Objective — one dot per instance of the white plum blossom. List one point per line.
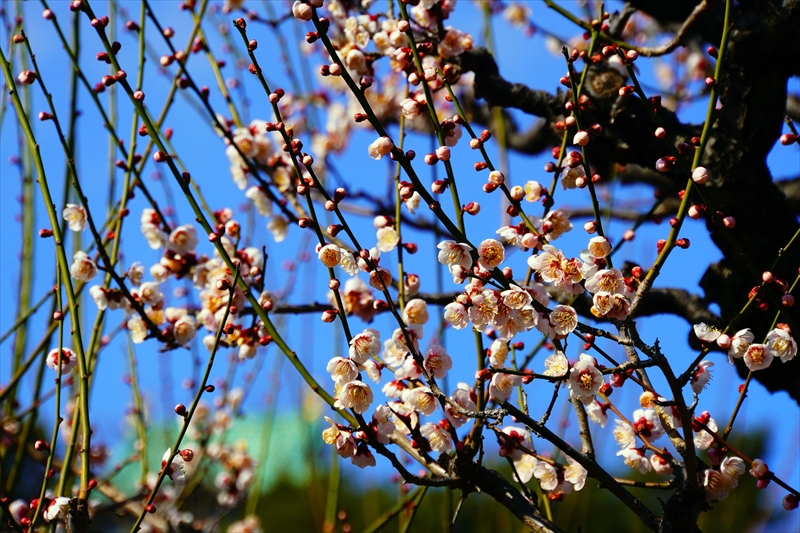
(556, 365)
(716, 485)
(533, 191)
(585, 379)
(636, 459)
(380, 147)
(624, 435)
(453, 253)
(732, 468)
(365, 345)
(701, 376)
(438, 436)
(498, 352)
(563, 319)
(437, 361)
(355, 395)
(342, 370)
(82, 268)
(329, 255)
(546, 474)
(705, 332)
(597, 413)
(739, 344)
(456, 314)
(757, 357)
(183, 239)
(463, 396)
(58, 509)
(599, 247)
(176, 470)
(138, 329)
(703, 439)
(421, 399)
(75, 217)
(278, 226)
(502, 385)
(68, 360)
(781, 344)
(490, 254)
(387, 239)
(516, 297)
(185, 329)
(575, 473)
(416, 312)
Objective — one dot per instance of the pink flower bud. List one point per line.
(530, 240)
(724, 341)
(628, 235)
(787, 300)
(328, 316)
(660, 133)
(790, 502)
(496, 178)
(590, 227)
(443, 153)
(729, 222)
(517, 193)
(403, 26)
(472, 208)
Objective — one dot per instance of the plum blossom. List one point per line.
(502, 385)
(456, 314)
(636, 459)
(329, 255)
(585, 379)
(138, 329)
(533, 191)
(716, 485)
(575, 473)
(498, 351)
(546, 474)
(516, 297)
(732, 468)
(421, 399)
(705, 332)
(463, 396)
(75, 217)
(647, 424)
(453, 253)
(82, 268)
(438, 436)
(363, 457)
(185, 329)
(57, 509)
(176, 469)
(781, 344)
(260, 200)
(758, 357)
(365, 345)
(183, 239)
(278, 226)
(387, 239)
(597, 413)
(556, 365)
(343, 440)
(490, 254)
(701, 376)
(416, 312)
(68, 360)
(355, 395)
(380, 147)
(563, 319)
(599, 247)
(437, 362)
(739, 344)
(342, 370)
(703, 439)
(624, 435)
